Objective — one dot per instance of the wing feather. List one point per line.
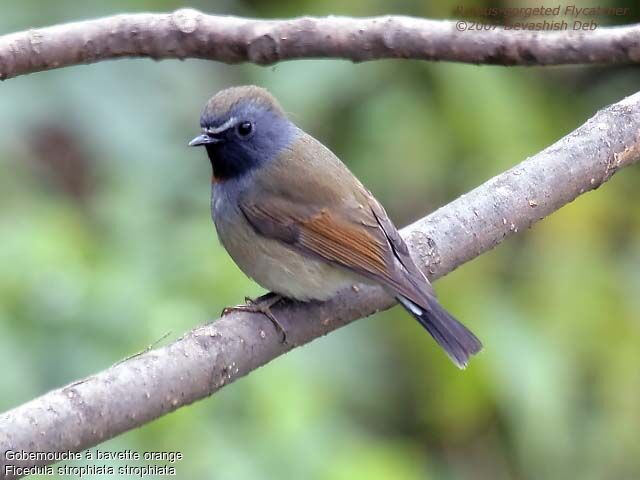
(320, 233)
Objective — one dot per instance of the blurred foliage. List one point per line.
(106, 244)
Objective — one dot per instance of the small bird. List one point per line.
(296, 220)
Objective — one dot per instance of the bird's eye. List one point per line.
(244, 129)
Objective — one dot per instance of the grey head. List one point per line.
(243, 128)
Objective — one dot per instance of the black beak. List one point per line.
(204, 139)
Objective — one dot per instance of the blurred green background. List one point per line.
(106, 244)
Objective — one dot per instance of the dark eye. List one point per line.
(244, 129)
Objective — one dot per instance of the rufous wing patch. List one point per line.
(320, 233)
(345, 243)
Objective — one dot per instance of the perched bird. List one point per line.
(296, 220)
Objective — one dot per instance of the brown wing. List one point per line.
(400, 250)
(353, 238)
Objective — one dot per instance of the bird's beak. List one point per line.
(204, 139)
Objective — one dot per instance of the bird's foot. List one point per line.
(261, 305)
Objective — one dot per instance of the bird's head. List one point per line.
(243, 128)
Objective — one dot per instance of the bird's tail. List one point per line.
(456, 339)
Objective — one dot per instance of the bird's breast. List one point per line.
(271, 263)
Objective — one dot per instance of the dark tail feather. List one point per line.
(456, 339)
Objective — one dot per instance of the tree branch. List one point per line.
(140, 389)
(188, 33)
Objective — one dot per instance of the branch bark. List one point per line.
(206, 359)
(188, 33)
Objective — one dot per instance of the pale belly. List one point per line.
(272, 264)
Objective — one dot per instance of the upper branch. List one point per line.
(152, 384)
(188, 33)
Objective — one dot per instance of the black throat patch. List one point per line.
(229, 162)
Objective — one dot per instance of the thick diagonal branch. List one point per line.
(188, 33)
(204, 360)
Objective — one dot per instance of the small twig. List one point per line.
(148, 348)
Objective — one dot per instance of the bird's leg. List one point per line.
(262, 305)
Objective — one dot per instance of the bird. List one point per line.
(296, 220)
